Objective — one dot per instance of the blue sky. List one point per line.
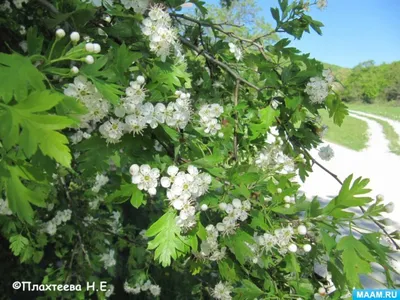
(355, 31)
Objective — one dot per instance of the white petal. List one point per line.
(134, 169)
(165, 182)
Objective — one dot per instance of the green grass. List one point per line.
(390, 134)
(352, 134)
(391, 112)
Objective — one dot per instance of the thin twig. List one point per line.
(235, 103)
(84, 250)
(219, 28)
(362, 208)
(219, 63)
(49, 6)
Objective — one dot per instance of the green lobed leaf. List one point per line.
(34, 41)
(19, 196)
(18, 243)
(167, 241)
(248, 290)
(348, 197)
(17, 76)
(356, 259)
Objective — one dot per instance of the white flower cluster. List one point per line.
(318, 88)
(222, 291)
(154, 289)
(178, 113)
(281, 240)
(115, 222)
(18, 3)
(271, 158)
(182, 191)
(50, 227)
(208, 118)
(108, 259)
(209, 248)
(145, 177)
(326, 153)
(4, 209)
(88, 220)
(321, 4)
(139, 114)
(94, 203)
(6, 6)
(78, 136)
(101, 180)
(237, 211)
(110, 291)
(87, 94)
(112, 130)
(157, 26)
(236, 51)
(139, 6)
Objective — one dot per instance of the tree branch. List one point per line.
(362, 208)
(218, 63)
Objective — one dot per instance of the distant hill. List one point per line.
(368, 82)
(340, 73)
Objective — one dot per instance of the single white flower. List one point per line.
(326, 153)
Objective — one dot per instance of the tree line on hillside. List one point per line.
(369, 83)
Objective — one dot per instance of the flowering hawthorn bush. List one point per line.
(162, 153)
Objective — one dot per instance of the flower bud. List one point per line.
(60, 33)
(287, 205)
(307, 248)
(74, 70)
(204, 207)
(74, 36)
(286, 199)
(322, 291)
(301, 155)
(89, 59)
(302, 230)
(220, 135)
(107, 19)
(292, 248)
(389, 208)
(379, 198)
(96, 48)
(89, 47)
(279, 190)
(140, 79)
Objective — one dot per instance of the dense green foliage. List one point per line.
(370, 83)
(165, 159)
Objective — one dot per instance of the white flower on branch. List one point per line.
(326, 153)
(139, 6)
(108, 259)
(317, 89)
(158, 28)
(222, 291)
(145, 177)
(236, 51)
